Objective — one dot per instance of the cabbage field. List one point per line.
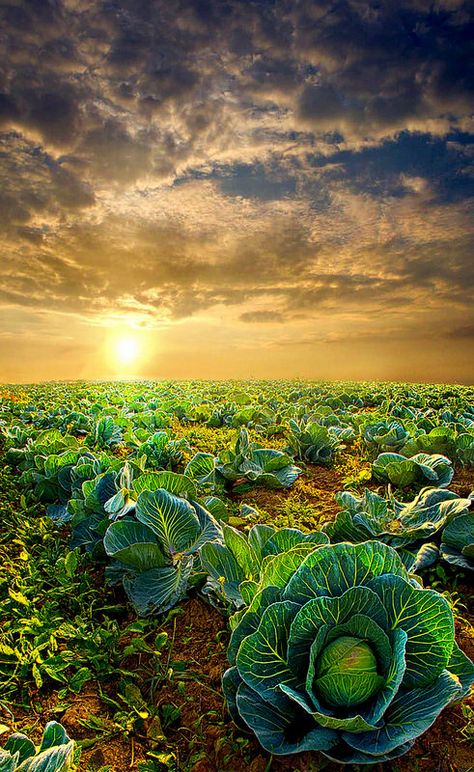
(236, 575)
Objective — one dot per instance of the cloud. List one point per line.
(465, 332)
(381, 69)
(283, 165)
(262, 317)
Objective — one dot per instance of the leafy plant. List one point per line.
(160, 451)
(247, 556)
(247, 463)
(105, 433)
(312, 442)
(343, 654)
(441, 439)
(41, 444)
(262, 466)
(154, 552)
(420, 469)
(399, 524)
(55, 753)
(465, 448)
(386, 435)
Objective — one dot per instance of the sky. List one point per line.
(236, 189)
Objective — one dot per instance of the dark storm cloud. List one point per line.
(283, 161)
(384, 64)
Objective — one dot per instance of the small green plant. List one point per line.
(467, 730)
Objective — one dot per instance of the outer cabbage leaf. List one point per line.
(159, 589)
(397, 523)
(54, 754)
(457, 541)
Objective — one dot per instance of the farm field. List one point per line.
(155, 535)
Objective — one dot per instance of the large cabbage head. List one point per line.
(344, 654)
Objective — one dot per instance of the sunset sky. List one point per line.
(222, 188)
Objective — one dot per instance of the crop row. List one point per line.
(336, 646)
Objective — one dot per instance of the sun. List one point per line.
(127, 350)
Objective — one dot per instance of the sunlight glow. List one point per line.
(127, 350)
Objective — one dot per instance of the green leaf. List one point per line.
(457, 541)
(159, 589)
(172, 519)
(216, 507)
(461, 666)
(80, 678)
(333, 569)
(280, 727)
(249, 620)
(262, 656)
(436, 467)
(36, 673)
(258, 536)
(8, 763)
(410, 714)
(71, 562)
(134, 544)
(220, 562)
(277, 570)
(286, 538)
(230, 684)
(243, 553)
(426, 618)
(202, 468)
(178, 484)
(416, 560)
(54, 734)
(401, 473)
(248, 590)
(20, 744)
(350, 724)
(52, 760)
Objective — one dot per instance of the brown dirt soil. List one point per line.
(307, 504)
(203, 740)
(462, 482)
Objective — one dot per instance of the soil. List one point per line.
(462, 482)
